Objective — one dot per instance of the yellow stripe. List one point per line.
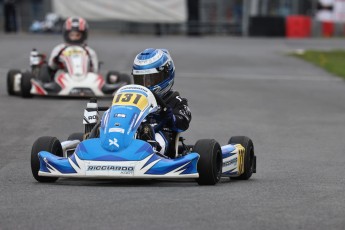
(240, 160)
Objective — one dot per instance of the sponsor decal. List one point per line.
(116, 130)
(121, 115)
(134, 118)
(135, 88)
(92, 117)
(179, 98)
(144, 71)
(233, 161)
(114, 142)
(114, 168)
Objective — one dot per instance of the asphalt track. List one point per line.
(293, 111)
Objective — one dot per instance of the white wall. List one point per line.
(156, 11)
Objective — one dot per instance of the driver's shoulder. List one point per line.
(59, 47)
(89, 49)
(171, 94)
(174, 97)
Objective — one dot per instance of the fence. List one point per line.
(214, 17)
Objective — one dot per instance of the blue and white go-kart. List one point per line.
(112, 150)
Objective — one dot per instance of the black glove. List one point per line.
(165, 116)
(168, 114)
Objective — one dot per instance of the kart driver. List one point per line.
(75, 32)
(154, 69)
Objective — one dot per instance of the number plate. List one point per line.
(133, 99)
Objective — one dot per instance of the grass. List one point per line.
(332, 61)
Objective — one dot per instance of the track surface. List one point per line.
(294, 112)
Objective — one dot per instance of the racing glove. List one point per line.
(165, 117)
(168, 115)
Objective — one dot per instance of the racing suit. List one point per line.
(175, 120)
(54, 59)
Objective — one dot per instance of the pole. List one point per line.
(220, 7)
(245, 17)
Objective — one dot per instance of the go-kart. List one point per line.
(73, 78)
(109, 149)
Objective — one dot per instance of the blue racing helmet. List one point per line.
(154, 69)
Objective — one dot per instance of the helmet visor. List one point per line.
(75, 35)
(149, 80)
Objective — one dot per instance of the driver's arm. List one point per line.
(182, 114)
(53, 59)
(94, 59)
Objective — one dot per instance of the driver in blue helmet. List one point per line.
(154, 69)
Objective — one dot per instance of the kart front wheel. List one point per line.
(25, 85)
(125, 78)
(49, 144)
(114, 77)
(44, 73)
(210, 162)
(10, 81)
(249, 157)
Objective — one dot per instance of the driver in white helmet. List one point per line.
(75, 32)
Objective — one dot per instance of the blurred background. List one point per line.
(269, 18)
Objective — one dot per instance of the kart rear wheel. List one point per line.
(25, 85)
(76, 136)
(10, 81)
(249, 157)
(210, 162)
(49, 144)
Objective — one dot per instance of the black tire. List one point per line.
(121, 77)
(210, 162)
(25, 85)
(44, 74)
(76, 136)
(10, 81)
(125, 78)
(49, 144)
(249, 161)
(109, 79)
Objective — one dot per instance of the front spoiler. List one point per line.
(152, 166)
(53, 89)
